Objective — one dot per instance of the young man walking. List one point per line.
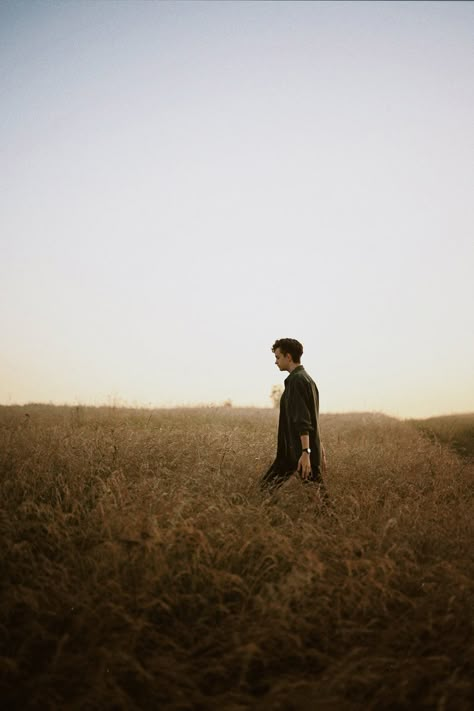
(299, 444)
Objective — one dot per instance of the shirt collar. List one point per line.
(297, 369)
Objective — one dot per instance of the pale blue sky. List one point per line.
(182, 183)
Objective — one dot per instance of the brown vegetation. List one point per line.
(141, 568)
(455, 430)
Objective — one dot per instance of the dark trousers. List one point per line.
(280, 472)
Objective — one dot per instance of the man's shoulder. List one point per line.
(300, 376)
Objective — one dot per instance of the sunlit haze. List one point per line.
(185, 182)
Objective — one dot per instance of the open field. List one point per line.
(455, 430)
(141, 568)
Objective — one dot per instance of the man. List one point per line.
(299, 445)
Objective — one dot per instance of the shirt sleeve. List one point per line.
(298, 409)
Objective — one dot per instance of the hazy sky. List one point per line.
(184, 182)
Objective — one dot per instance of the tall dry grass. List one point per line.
(141, 567)
(455, 430)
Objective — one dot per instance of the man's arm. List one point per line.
(301, 420)
(304, 464)
(298, 409)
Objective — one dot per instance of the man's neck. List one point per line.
(292, 366)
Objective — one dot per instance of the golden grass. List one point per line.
(141, 567)
(455, 430)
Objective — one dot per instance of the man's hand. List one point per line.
(304, 465)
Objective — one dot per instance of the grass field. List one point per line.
(141, 567)
(455, 430)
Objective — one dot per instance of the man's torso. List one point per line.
(300, 400)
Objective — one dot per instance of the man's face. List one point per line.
(281, 360)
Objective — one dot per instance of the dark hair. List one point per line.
(291, 346)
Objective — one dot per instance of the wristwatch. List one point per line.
(307, 449)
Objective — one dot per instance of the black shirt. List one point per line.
(299, 414)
